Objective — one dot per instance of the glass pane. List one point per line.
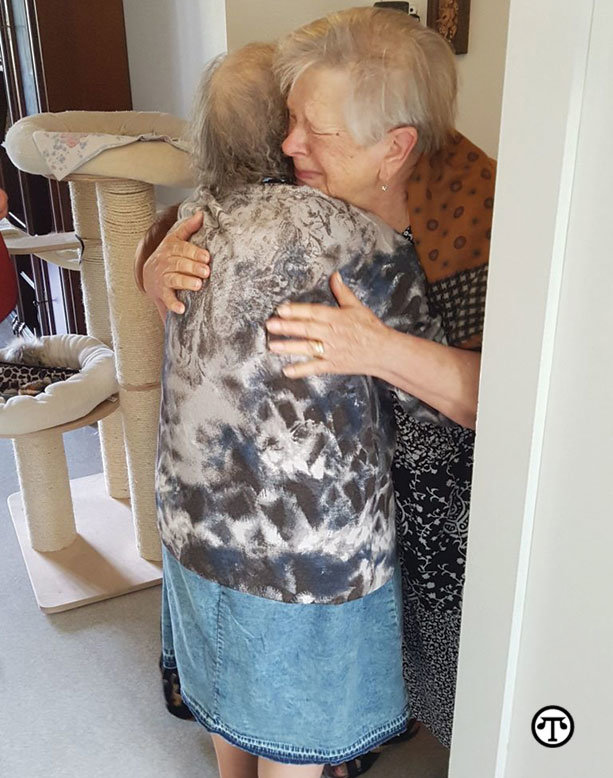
(24, 53)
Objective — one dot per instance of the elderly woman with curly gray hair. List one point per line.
(371, 98)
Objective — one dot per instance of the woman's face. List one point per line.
(324, 153)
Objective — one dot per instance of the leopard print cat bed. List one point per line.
(28, 379)
(74, 374)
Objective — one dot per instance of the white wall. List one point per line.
(168, 43)
(536, 626)
(481, 70)
(567, 630)
(267, 20)
(481, 73)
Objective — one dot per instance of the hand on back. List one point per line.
(174, 264)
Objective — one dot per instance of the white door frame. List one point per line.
(547, 54)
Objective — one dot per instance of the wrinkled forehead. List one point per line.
(320, 94)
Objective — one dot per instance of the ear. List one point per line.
(400, 143)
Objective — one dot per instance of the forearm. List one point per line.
(152, 239)
(444, 377)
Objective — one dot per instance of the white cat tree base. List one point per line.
(83, 550)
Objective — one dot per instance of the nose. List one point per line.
(294, 144)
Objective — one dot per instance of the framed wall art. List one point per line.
(451, 18)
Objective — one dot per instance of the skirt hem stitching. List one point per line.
(289, 755)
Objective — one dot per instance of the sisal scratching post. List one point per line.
(127, 209)
(95, 301)
(45, 490)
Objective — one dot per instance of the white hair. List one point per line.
(401, 73)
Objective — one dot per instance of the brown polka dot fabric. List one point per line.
(451, 197)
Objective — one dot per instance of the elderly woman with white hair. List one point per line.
(281, 597)
(362, 79)
(371, 96)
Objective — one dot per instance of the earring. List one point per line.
(384, 188)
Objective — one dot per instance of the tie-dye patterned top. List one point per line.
(277, 487)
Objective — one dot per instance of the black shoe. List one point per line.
(171, 686)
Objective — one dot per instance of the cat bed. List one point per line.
(113, 161)
(136, 145)
(66, 400)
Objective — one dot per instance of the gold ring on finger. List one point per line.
(319, 349)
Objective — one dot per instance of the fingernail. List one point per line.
(273, 326)
(339, 277)
(196, 284)
(283, 309)
(275, 345)
(288, 371)
(179, 309)
(205, 272)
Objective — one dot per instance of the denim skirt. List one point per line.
(293, 683)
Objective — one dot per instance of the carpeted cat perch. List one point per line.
(112, 161)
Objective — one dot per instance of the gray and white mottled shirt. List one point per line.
(273, 486)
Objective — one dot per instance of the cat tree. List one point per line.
(113, 161)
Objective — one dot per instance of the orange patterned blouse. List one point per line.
(451, 197)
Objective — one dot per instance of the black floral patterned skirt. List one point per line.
(432, 477)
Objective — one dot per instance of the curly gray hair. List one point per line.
(402, 73)
(239, 121)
